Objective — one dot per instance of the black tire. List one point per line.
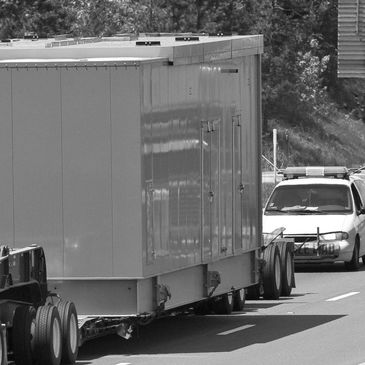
(3, 348)
(22, 335)
(271, 273)
(239, 298)
(70, 331)
(287, 273)
(223, 304)
(253, 292)
(354, 264)
(202, 308)
(48, 336)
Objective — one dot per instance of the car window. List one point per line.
(310, 198)
(357, 199)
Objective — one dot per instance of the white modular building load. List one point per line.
(135, 163)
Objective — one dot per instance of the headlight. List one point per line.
(338, 236)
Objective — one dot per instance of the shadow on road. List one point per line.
(199, 334)
(254, 306)
(336, 267)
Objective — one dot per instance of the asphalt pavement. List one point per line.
(322, 322)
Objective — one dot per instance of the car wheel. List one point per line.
(354, 264)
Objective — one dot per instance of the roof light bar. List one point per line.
(339, 172)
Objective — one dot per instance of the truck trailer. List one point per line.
(134, 162)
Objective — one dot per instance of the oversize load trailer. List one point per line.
(136, 165)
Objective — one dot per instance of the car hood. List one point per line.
(305, 224)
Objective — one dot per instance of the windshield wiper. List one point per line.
(276, 210)
(306, 211)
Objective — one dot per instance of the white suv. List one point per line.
(323, 210)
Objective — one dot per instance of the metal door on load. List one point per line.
(210, 179)
(237, 183)
(157, 220)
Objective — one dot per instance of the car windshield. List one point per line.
(310, 199)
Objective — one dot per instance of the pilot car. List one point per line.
(323, 211)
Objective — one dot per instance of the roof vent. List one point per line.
(220, 34)
(148, 43)
(186, 39)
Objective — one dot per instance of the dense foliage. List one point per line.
(299, 64)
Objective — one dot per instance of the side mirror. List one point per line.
(361, 211)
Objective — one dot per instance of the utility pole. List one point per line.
(287, 145)
(275, 142)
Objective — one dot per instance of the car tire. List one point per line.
(272, 272)
(354, 264)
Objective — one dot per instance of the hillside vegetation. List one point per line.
(319, 117)
(338, 139)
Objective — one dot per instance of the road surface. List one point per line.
(321, 323)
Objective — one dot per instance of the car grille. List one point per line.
(302, 239)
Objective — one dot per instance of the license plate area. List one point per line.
(329, 249)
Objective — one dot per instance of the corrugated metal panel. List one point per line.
(351, 38)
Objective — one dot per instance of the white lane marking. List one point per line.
(124, 363)
(343, 296)
(236, 330)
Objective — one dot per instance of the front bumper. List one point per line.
(323, 251)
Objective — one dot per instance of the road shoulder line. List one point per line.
(342, 296)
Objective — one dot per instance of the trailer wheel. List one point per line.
(3, 348)
(70, 331)
(253, 292)
(223, 304)
(287, 274)
(239, 298)
(272, 272)
(23, 335)
(202, 308)
(48, 336)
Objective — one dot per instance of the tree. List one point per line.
(43, 17)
